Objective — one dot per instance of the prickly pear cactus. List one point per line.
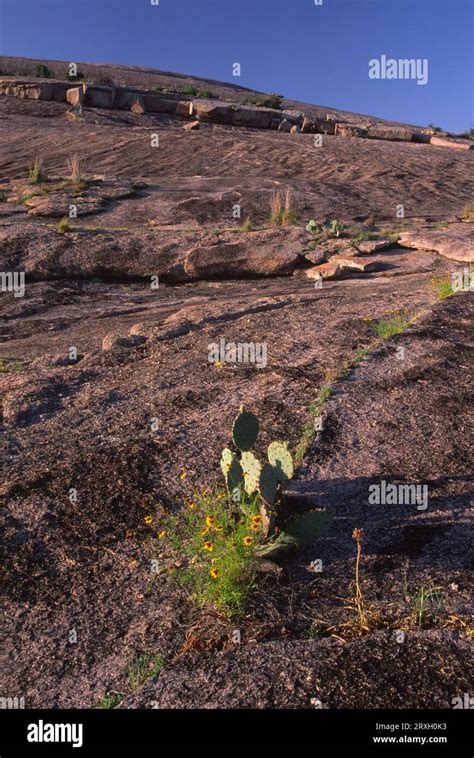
(268, 483)
(226, 459)
(235, 476)
(280, 458)
(251, 467)
(308, 527)
(245, 430)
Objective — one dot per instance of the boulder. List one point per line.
(455, 243)
(294, 117)
(422, 137)
(397, 133)
(256, 118)
(153, 103)
(100, 95)
(344, 261)
(457, 144)
(324, 271)
(324, 127)
(308, 126)
(138, 107)
(191, 126)
(75, 96)
(184, 108)
(350, 130)
(214, 111)
(285, 126)
(373, 246)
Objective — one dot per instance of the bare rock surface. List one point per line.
(83, 423)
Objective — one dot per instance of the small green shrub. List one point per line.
(206, 94)
(80, 77)
(265, 101)
(42, 71)
(62, 226)
(189, 90)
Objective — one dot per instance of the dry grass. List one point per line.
(74, 166)
(276, 212)
(37, 173)
(289, 213)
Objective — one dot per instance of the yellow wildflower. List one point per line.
(210, 520)
(247, 541)
(162, 534)
(183, 475)
(148, 519)
(208, 546)
(204, 531)
(214, 573)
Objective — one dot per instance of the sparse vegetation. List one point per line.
(74, 166)
(36, 172)
(468, 212)
(63, 225)
(265, 101)
(315, 410)
(392, 325)
(3, 197)
(276, 211)
(288, 217)
(327, 229)
(42, 71)
(282, 212)
(444, 287)
(213, 544)
(426, 605)
(109, 701)
(142, 668)
(363, 236)
(8, 366)
(358, 536)
(247, 225)
(80, 77)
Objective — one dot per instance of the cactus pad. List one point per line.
(308, 527)
(268, 483)
(280, 458)
(251, 467)
(245, 430)
(235, 475)
(226, 460)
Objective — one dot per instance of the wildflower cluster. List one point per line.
(210, 546)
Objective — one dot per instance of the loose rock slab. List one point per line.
(457, 243)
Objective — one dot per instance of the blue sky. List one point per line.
(317, 54)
